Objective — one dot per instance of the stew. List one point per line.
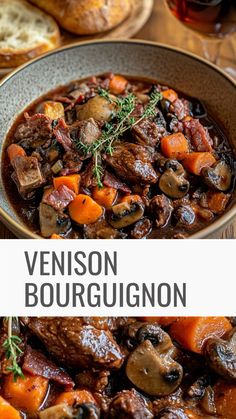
(111, 157)
(118, 368)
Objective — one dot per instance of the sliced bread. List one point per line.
(25, 32)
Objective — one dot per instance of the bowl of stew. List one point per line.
(117, 140)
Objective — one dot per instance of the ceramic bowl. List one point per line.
(183, 71)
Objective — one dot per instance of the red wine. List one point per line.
(211, 17)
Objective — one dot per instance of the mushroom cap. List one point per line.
(221, 355)
(151, 371)
(218, 176)
(126, 213)
(173, 185)
(98, 108)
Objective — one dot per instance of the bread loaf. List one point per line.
(25, 32)
(86, 17)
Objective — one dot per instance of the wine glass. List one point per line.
(211, 20)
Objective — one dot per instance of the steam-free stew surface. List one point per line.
(118, 368)
(111, 157)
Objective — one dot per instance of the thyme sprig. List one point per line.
(112, 131)
(12, 350)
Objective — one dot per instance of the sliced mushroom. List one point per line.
(51, 222)
(60, 411)
(125, 214)
(171, 413)
(221, 355)
(98, 108)
(87, 411)
(218, 176)
(173, 182)
(151, 367)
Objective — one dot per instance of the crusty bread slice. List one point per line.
(25, 32)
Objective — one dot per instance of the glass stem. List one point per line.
(211, 49)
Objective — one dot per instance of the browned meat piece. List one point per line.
(59, 198)
(129, 404)
(161, 209)
(132, 163)
(35, 131)
(88, 131)
(72, 163)
(87, 177)
(102, 230)
(141, 229)
(62, 134)
(198, 135)
(184, 216)
(36, 363)
(180, 107)
(27, 173)
(112, 182)
(146, 132)
(76, 345)
(93, 380)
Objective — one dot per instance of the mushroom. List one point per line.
(173, 182)
(218, 176)
(125, 214)
(171, 413)
(150, 367)
(221, 355)
(51, 222)
(87, 411)
(57, 412)
(98, 108)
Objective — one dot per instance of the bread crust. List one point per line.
(86, 17)
(10, 57)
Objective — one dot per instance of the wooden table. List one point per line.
(155, 30)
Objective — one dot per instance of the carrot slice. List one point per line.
(15, 150)
(84, 210)
(26, 393)
(118, 84)
(105, 196)
(170, 95)
(217, 201)
(175, 146)
(192, 332)
(71, 181)
(7, 411)
(55, 236)
(225, 399)
(71, 398)
(196, 161)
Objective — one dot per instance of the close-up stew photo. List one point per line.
(118, 367)
(112, 157)
(117, 122)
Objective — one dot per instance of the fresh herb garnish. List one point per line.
(112, 131)
(12, 350)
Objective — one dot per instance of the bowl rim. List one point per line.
(21, 229)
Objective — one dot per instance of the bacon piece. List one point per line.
(60, 198)
(36, 363)
(112, 182)
(62, 134)
(198, 135)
